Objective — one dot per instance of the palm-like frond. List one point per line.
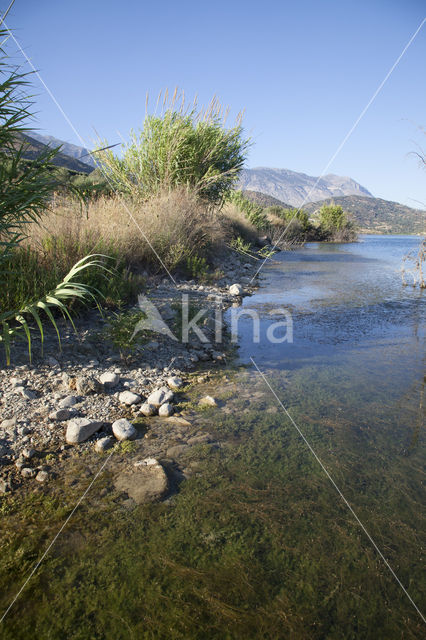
(16, 322)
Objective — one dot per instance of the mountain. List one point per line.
(294, 188)
(71, 150)
(377, 215)
(264, 200)
(35, 147)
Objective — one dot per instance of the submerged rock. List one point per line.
(145, 481)
(208, 401)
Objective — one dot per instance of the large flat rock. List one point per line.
(145, 481)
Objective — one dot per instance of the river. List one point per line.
(309, 521)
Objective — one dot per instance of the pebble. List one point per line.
(27, 472)
(68, 402)
(42, 476)
(62, 414)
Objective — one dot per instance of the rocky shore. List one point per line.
(90, 396)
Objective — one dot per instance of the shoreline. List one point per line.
(85, 390)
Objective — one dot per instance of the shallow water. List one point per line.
(260, 544)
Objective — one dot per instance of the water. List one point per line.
(260, 544)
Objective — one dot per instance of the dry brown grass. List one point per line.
(174, 225)
(235, 224)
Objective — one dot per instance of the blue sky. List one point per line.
(302, 70)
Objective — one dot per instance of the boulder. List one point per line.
(145, 481)
(123, 429)
(174, 382)
(148, 409)
(160, 396)
(129, 398)
(80, 429)
(103, 444)
(109, 379)
(166, 410)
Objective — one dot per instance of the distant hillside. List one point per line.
(294, 188)
(34, 148)
(264, 200)
(377, 215)
(72, 150)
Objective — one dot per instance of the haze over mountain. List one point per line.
(296, 188)
(34, 147)
(72, 150)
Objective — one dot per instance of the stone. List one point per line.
(52, 362)
(27, 472)
(28, 453)
(5, 486)
(80, 429)
(8, 424)
(146, 481)
(62, 414)
(129, 398)
(148, 409)
(68, 402)
(88, 384)
(201, 439)
(42, 476)
(17, 382)
(160, 396)
(208, 401)
(109, 379)
(174, 382)
(123, 429)
(165, 410)
(177, 450)
(236, 290)
(103, 444)
(26, 393)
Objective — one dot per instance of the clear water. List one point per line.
(260, 544)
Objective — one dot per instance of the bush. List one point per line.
(295, 222)
(335, 225)
(180, 148)
(252, 211)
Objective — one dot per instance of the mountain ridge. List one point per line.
(295, 188)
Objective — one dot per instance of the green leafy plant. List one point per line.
(26, 187)
(197, 267)
(335, 225)
(182, 147)
(252, 211)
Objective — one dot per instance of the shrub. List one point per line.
(182, 147)
(335, 225)
(252, 211)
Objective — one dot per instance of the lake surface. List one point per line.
(260, 544)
